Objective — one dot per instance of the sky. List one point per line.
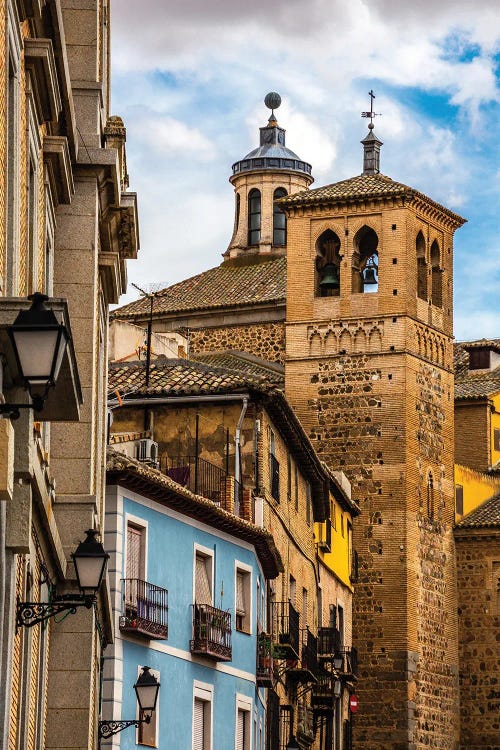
(189, 79)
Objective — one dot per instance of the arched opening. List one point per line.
(279, 219)
(254, 216)
(430, 495)
(421, 267)
(437, 275)
(237, 213)
(328, 265)
(365, 261)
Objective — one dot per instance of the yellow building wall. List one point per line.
(477, 488)
(338, 560)
(494, 425)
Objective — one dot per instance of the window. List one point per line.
(203, 577)
(328, 265)
(243, 723)
(254, 202)
(479, 358)
(304, 607)
(437, 275)
(421, 267)
(342, 524)
(365, 261)
(293, 590)
(296, 487)
(202, 716)
(243, 603)
(459, 500)
(289, 476)
(147, 734)
(286, 726)
(279, 219)
(496, 439)
(308, 503)
(340, 617)
(274, 468)
(135, 567)
(333, 514)
(10, 284)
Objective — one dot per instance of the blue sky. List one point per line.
(189, 80)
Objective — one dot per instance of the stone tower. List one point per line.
(369, 371)
(269, 172)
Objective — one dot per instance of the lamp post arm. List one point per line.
(108, 728)
(32, 613)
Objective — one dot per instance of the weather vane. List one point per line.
(371, 114)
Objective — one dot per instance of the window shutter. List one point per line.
(240, 594)
(203, 593)
(240, 730)
(134, 544)
(198, 724)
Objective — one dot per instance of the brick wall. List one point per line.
(478, 566)
(472, 445)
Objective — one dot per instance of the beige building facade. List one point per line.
(67, 226)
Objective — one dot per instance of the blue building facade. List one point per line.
(189, 601)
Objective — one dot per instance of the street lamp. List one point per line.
(146, 689)
(39, 341)
(90, 563)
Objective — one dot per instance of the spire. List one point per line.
(371, 144)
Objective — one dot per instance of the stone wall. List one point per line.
(478, 567)
(265, 340)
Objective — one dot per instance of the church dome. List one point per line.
(272, 153)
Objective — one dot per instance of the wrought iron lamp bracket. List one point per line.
(109, 728)
(32, 613)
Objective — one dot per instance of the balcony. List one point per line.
(285, 630)
(305, 668)
(350, 663)
(329, 642)
(265, 666)
(144, 609)
(211, 633)
(274, 469)
(206, 479)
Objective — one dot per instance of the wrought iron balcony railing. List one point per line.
(329, 642)
(206, 479)
(305, 668)
(285, 630)
(144, 609)
(265, 665)
(211, 632)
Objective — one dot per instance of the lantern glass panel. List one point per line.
(89, 571)
(36, 350)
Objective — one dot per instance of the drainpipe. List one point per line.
(237, 464)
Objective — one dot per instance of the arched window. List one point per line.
(279, 219)
(328, 265)
(365, 261)
(254, 217)
(437, 275)
(430, 495)
(237, 213)
(421, 267)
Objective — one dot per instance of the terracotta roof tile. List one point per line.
(180, 377)
(474, 383)
(227, 285)
(362, 186)
(486, 516)
(244, 363)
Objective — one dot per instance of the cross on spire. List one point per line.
(371, 114)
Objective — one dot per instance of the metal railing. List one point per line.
(144, 608)
(285, 628)
(329, 641)
(206, 479)
(211, 632)
(274, 469)
(265, 665)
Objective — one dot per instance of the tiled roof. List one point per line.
(471, 384)
(360, 187)
(244, 363)
(127, 437)
(154, 484)
(179, 377)
(486, 516)
(227, 285)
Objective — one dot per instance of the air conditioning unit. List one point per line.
(147, 452)
(325, 542)
(258, 511)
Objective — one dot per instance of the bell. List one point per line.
(369, 277)
(330, 278)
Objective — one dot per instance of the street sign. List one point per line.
(353, 703)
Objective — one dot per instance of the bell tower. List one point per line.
(268, 173)
(369, 370)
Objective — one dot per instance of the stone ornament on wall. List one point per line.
(352, 338)
(430, 344)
